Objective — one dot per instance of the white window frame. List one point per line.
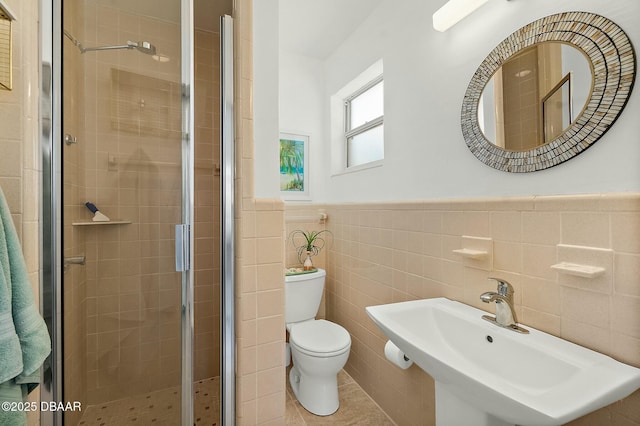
(350, 133)
(337, 126)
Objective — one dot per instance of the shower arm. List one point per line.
(129, 45)
(74, 40)
(142, 46)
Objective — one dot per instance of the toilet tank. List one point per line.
(302, 294)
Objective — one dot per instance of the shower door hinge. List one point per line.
(183, 248)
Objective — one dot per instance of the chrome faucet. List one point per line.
(505, 313)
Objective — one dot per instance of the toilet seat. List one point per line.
(320, 338)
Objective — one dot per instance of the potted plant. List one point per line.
(309, 243)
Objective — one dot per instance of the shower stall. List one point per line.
(137, 98)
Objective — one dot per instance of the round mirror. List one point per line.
(535, 96)
(548, 92)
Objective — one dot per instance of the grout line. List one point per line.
(299, 413)
(376, 404)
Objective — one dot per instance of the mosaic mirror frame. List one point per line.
(614, 67)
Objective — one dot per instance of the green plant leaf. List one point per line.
(308, 241)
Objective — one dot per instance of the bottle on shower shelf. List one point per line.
(97, 216)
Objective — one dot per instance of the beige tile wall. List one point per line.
(20, 170)
(260, 315)
(131, 145)
(394, 252)
(127, 163)
(75, 300)
(207, 201)
(260, 330)
(306, 218)
(20, 160)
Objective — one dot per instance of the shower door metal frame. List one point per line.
(51, 212)
(51, 202)
(188, 179)
(227, 225)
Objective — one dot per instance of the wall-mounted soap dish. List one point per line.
(472, 254)
(577, 270)
(476, 252)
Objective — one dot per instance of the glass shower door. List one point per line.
(123, 117)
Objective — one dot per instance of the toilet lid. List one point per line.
(319, 336)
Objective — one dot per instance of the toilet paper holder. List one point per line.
(396, 356)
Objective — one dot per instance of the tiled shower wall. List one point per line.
(20, 169)
(131, 144)
(207, 202)
(394, 252)
(75, 312)
(125, 110)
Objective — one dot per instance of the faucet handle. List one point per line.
(504, 288)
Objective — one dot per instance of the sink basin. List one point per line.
(524, 379)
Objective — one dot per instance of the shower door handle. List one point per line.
(183, 248)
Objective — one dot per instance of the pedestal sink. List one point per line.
(492, 376)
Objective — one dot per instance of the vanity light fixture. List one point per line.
(453, 12)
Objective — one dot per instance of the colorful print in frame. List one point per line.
(294, 166)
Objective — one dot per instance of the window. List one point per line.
(364, 124)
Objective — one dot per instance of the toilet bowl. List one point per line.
(319, 348)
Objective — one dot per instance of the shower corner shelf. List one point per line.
(111, 222)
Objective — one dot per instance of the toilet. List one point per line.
(319, 348)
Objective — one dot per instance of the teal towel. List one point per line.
(24, 339)
(11, 392)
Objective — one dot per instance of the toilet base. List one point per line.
(318, 395)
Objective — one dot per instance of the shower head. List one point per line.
(141, 46)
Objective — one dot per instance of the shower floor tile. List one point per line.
(356, 407)
(158, 408)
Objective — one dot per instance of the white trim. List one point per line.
(359, 167)
(7, 11)
(378, 121)
(364, 88)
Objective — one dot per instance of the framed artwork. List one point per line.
(294, 166)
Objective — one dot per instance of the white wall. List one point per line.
(265, 98)
(426, 76)
(302, 97)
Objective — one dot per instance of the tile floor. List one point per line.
(356, 407)
(163, 408)
(157, 408)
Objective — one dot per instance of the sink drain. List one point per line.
(489, 339)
